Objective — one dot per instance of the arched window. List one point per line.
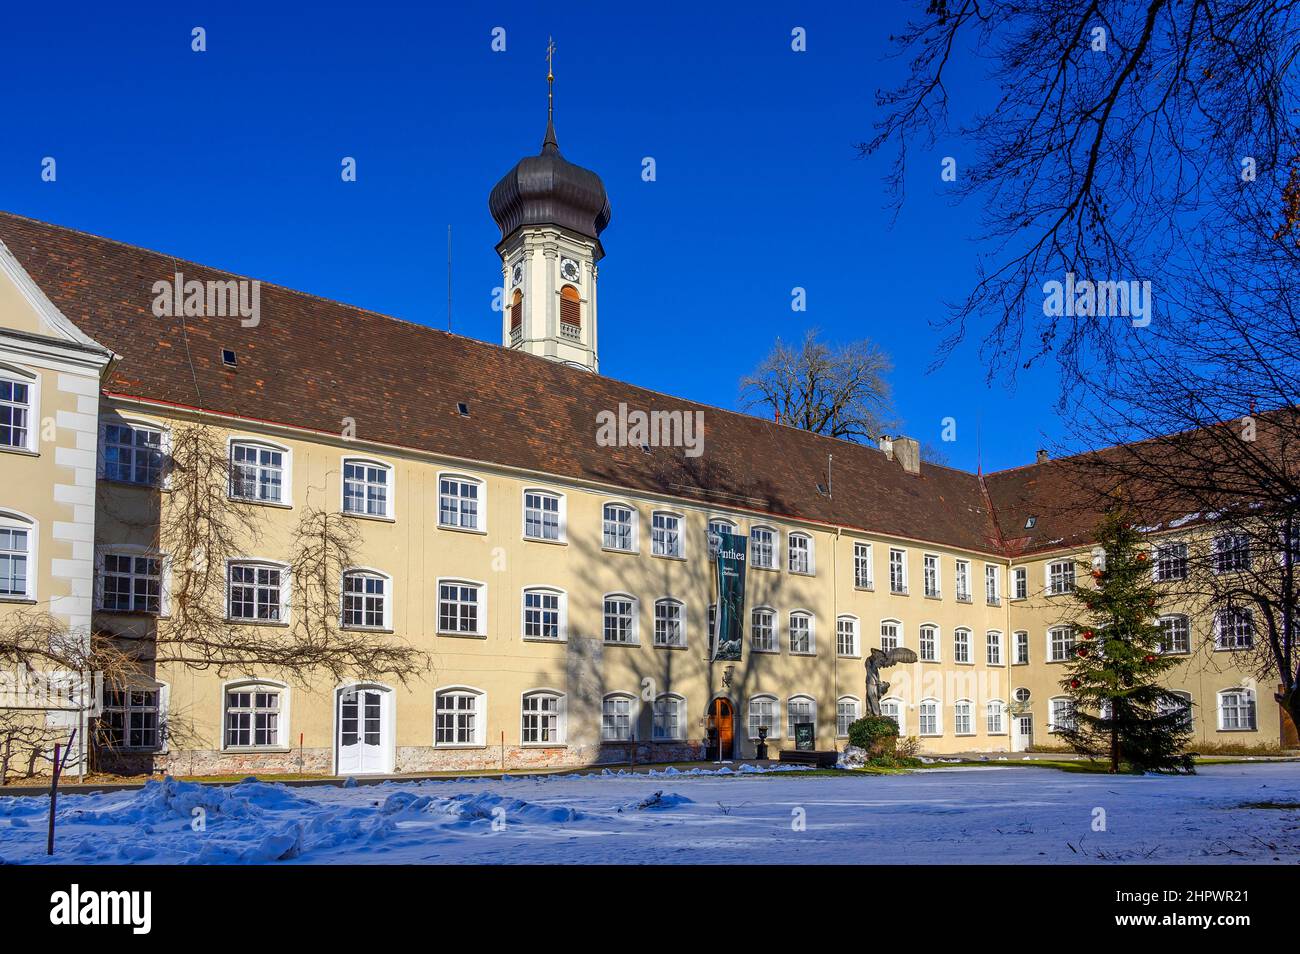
(847, 712)
(1237, 710)
(1175, 634)
(931, 724)
(257, 714)
(670, 623)
(801, 709)
(366, 600)
(763, 547)
(260, 472)
(570, 313)
(617, 717)
(846, 636)
(963, 717)
(669, 719)
(995, 717)
(546, 613)
(961, 645)
(462, 502)
(17, 556)
(19, 408)
(516, 314)
(763, 634)
(764, 712)
(620, 619)
(367, 487)
(459, 716)
(892, 708)
(1183, 705)
(800, 546)
(1060, 714)
(929, 643)
(890, 634)
(802, 635)
(619, 528)
(542, 718)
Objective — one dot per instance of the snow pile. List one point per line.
(489, 806)
(853, 757)
(657, 802)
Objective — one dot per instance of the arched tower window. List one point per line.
(516, 315)
(570, 313)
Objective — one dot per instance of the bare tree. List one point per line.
(1119, 142)
(837, 391)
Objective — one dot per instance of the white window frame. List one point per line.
(286, 470)
(132, 424)
(162, 692)
(132, 552)
(32, 381)
(963, 709)
(633, 524)
(994, 648)
(1061, 577)
(934, 640)
(992, 584)
(900, 712)
(774, 723)
(286, 586)
(898, 581)
(775, 646)
(562, 601)
(1250, 703)
(935, 713)
(961, 640)
(995, 708)
(480, 589)
(561, 515)
(863, 560)
(932, 583)
(841, 728)
(1161, 563)
(659, 537)
(390, 487)
(678, 702)
(1020, 583)
(802, 614)
(480, 502)
(561, 713)
(855, 644)
(281, 689)
(1238, 612)
(890, 640)
(1055, 704)
(1020, 638)
(367, 572)
(16, 520)
(634, 628)
(961, 577)
(633, 716)
(807, 550)
(1224, 548)
(773, 547)
(1187, 633)
(1068, 644)
(480, 711)
(666, 601)
(800, 698)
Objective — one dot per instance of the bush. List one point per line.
(876, 734)
(908, 748)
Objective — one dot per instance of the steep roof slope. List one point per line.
(311, 363)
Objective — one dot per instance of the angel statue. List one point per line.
(878, 660)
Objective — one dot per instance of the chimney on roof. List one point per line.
(907, 451)
(887, 446)
(1042, 456)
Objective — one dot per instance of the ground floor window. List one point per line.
(131, 718)
(1237, 710)
(458, 717)
(801, 709)
(763, 631)
(616, 719)
(543, 715)
(1061, 715)
(963, 717)
(893, 708)
(763, 714)
(668, 718)
(928, 713)
(253, 716)
(995, 716)
(846, 713)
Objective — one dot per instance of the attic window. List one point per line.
(228, 357)
(462, 408)
(1029, 524)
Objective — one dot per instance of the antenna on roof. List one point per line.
(449, 276)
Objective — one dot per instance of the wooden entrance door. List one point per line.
(721, 718)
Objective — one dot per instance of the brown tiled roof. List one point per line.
(311, 363)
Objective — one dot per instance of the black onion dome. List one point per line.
(547, 189)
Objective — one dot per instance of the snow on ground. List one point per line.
(1010, 815)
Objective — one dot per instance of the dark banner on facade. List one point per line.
(728, 553)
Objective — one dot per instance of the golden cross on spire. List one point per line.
(550, 76)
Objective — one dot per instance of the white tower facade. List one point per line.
(550, 274)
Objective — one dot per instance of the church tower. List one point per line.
(551, 213)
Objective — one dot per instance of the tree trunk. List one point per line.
(1291, 703)
(1114, 747)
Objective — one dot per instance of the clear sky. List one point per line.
(231, 157)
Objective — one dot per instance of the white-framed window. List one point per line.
(666, 534)
(993, 642)
(618, 528)
(130, 582)
(1231, 552)
(259, 472)
(894, 709)
(800, 708)
(1171, 562)
(460, 714)
(846, 636)
(1060, 643)
(670, 623)
(545, 613)
(257, 592)
(764, 712)
(1234, 628)
(963, 717)
(930, 574)
(763, 547)
(891, 631)
(1060, 711)
(897, 570)
(132, 453)
(462, 607)
(961, 645)
(669, 718)
(928, 644)
(17, 556)
(995, 714)
(367, 488)
(846, 713)
(542, 718)
(928, 716)
(1237, 710)
(992, 585)
(762, 630)
(863, 574)
(1175, 634)
(366, 600)
(1020, 583)
(961, 580)
(719, 525)
(255, 715)
(1183, 706)
(18, 409)
(1021, 657)
(462, 503)
(132, 717)
(802, 635)
(1060, 577)
(544, 516)
(617, 718)
(620, 619)
(801, 553)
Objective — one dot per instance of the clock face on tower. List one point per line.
(568, 270)
(517, 275)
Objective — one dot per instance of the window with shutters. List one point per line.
(570, 313)
(516, 316)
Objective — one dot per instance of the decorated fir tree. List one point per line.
(1121, 708)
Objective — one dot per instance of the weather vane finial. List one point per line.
(550, 77)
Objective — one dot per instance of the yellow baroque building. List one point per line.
(552, 566)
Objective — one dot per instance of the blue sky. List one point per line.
(231, 157)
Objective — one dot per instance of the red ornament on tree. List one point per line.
(1082, 650)
(1149, 659)
(1087, 634)
(1074, 683)
(1096, 574)
(1142, 558)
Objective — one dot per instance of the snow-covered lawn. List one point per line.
(1012, 815)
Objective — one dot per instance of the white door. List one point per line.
(363, 731)
(1023, 733)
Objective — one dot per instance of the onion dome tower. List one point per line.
(551, 213)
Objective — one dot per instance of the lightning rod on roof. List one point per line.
(449, 276)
